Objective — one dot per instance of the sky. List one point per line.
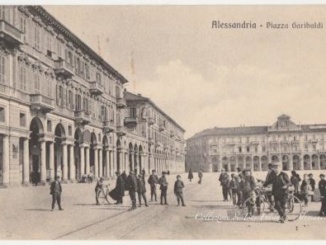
(205, 77)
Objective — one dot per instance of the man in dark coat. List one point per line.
(131, 184)
(280, 189)
(322, 189)
(269, 178)
(224, 183)
(190, 175)
(153, 181)
(98, 189)
(313, 184)
(141, 190)
(200, 176)
(124, 176)
(164, 188)
(120, 188)
(55, 191)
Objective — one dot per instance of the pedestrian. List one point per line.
(224, 183)
(280, 189)
(153, 181)
(141, 189)
(239, 179)
(322, 190)
(190, 175)
(143, 173)
(119, 191)
(124, 176)
(248, 190)
(200, 176)
(312, 184)
(90, 177)
(234, 189)
(269, 193)
(131, 184)
(295, 181)
(305, 189)
(178, 190)
(98, 189)
(55, 191)
(164, 188)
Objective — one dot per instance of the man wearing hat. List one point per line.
(224, 183)
(131, 184)
(280, 189)
(98, 188)
(153, 181)
(322, 189)
(120, 188)
(55, 191)
(270, 176)
(163, 187)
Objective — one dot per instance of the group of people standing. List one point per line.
(136, 184)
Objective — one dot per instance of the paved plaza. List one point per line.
(26, 214)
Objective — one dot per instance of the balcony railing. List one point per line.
(64, 69)
(121, 131)
(121, 102)
(96, 88)
(130, 122)
(10, 34)
(82, 117)
(42, 103)
(108, 126)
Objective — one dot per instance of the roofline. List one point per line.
(60, 27)
(145, 99)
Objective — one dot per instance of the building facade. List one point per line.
(298, 147)
(62, 107)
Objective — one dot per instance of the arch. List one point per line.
(285, 162)
(275, 158)
(87, 136)
(37, 125)
(296, 162)
(78, 136)
(264, 163)
(79, 166)
(315, 162)
(306, 162)
(225, 162)
(322, 161)
(256, 161)
(233, 163)
(60, 131)
(93, 138)
(248, 162)
(241, 162)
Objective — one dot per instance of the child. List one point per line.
(234, 189)
(178, 186)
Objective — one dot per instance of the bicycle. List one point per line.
(102, 194)
(257, 202)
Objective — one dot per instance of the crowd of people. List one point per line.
(241, 186)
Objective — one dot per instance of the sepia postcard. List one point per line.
(162, 122)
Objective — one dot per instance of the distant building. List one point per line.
(298, 147)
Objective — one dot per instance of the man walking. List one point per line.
(131, 184)
(164, 188)
(153, 181)
(178, 190)
(55, 191)
(280, 184)
(200, 176)
(322, 189)
(224, 183)
(98, 189)
(120, 188)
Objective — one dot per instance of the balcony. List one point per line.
(121, 102)
(82, 117)
(121, 131)
(96, 88)
(108, 126)
(10, 34)
(41, 103)
(130, 122)
(150, 121)
(63, 69)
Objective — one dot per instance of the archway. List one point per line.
(306, 162)
(60, 168)
(296, 162)
(130, 156)
(225, 163)
(248, 162)
(141, 167)
(37, 132)
(105, 146)
(215, 163)
(119, 147)
(80, 166)
(256, 163)
(314, 162)
(241, 162)
(285, 163)
(274, 159)
(264, 163)
(322, 161)
(232, 164)
(137, 170)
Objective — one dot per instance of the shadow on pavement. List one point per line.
(39, 209)
(212, 206)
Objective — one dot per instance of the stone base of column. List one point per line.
(4, 186)
(42, 183)
(26, 184)
(65, 181)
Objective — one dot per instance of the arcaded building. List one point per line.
(298, 147)
(62, 107)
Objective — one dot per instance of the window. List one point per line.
(36, 83)
(49, 126)
(49, 87)
(69, 59)
(36, 37)
(256, 149)
(69, 130)
(240, 149)
(22, 78)
(248, 149)
(2, 70)
(314, 147)
(133, 112)
(60, 96)
(263, 148)
(2, 114)
(87, 71)
(98, 78)
(22, 119)
(70, 104)
(78, 102)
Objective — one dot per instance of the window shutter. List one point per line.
(58, 97)
(64, 92)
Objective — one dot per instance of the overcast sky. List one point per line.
(204, 77)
